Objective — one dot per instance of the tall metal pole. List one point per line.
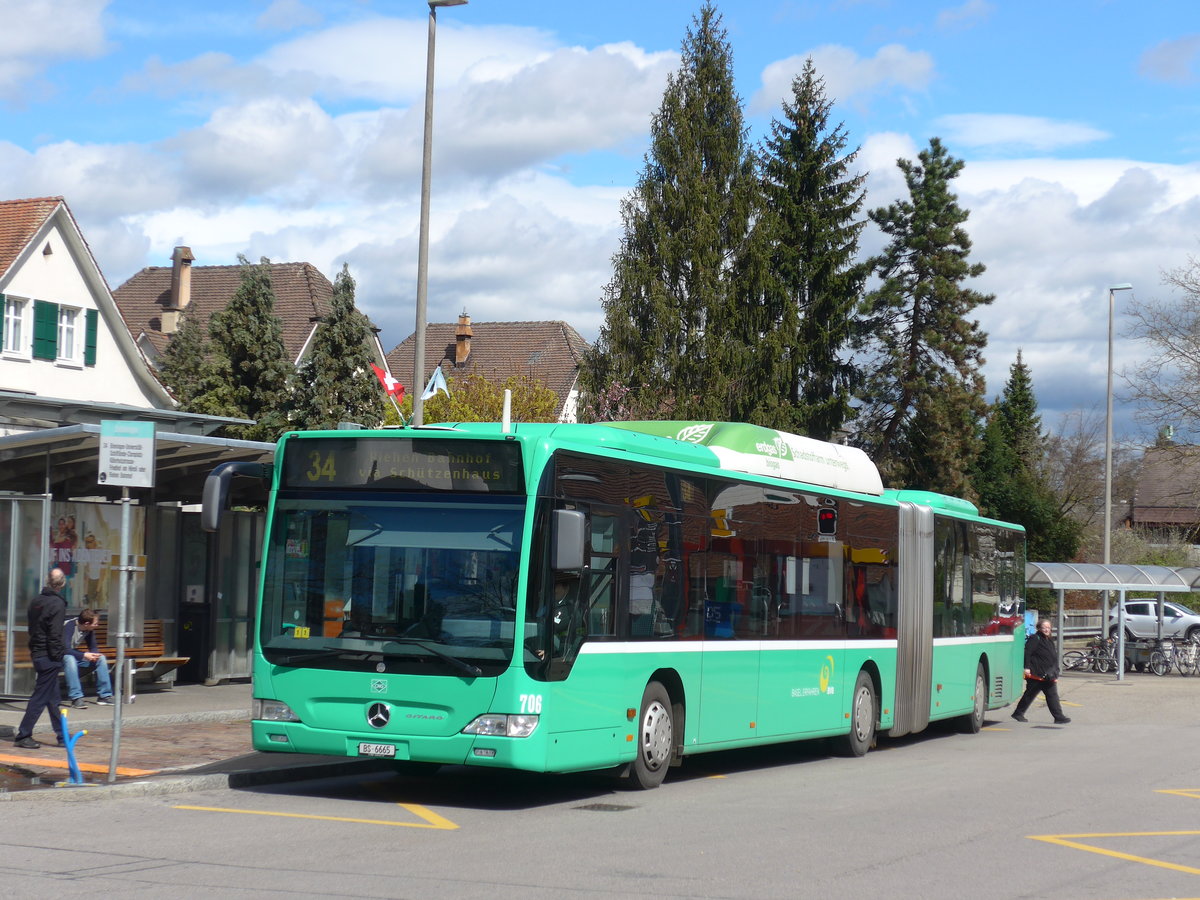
(122, 632)
(418, 382)
(1108, 431)
(1108, 428)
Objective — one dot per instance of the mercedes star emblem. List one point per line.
(378, 715)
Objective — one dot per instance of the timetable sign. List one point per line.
(126, 453)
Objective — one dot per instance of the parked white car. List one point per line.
(1141, 620)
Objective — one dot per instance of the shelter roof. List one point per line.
(70, 458)
(1111, 577)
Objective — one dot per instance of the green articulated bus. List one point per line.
(562, 598)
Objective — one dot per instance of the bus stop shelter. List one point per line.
(1111, 579)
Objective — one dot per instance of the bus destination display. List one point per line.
(403, 464)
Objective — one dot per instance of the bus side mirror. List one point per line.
(568, 538)
(216, 489)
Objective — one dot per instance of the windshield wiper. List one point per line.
(465, 666)
(293, 659)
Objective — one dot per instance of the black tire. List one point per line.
(1193, 634)
(1160, 664)
(863, 718)
(973, 721)
(655, 738)
(1074, 659)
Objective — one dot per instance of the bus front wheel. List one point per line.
(655, 738)
(862, 717)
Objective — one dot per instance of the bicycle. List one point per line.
(1162, 657)
(1187, 657)
(1100, 656)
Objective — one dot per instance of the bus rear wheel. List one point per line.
(973, 721)
(655, 738)
(862, 717)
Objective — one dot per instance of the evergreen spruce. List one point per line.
(684, 312)
(183, 364)
(335, 382)
(923, 399)
(249, 375)
(1010, 477)
(814, 202)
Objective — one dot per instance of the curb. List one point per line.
(179, 783)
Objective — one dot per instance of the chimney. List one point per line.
(181, 289)
(462, 340)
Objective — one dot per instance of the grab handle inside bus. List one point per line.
(216, 489)
(569, 532)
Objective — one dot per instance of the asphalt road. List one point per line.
(1108, 806)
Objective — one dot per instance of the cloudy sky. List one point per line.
(292, 129)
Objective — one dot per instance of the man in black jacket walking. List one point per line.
(47, 613)
(1041, 674)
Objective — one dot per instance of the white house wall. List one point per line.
(58, 277)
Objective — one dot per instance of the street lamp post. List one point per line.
(1108, 430)
(418, 382)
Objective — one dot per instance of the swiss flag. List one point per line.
(390, 384)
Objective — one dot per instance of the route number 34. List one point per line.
(531, 704)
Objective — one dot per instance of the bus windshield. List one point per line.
(415, 585)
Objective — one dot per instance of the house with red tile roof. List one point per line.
(154, 299)
(66, 356)
(549, 352)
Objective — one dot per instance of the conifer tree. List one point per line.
(814, 202)
(684, 311)
(249, 375)
(183, 364)
(335, 382)
(1010, 473)
(923, 398)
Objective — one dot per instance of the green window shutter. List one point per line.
(3, 317)
(89, 341)
(45, 330)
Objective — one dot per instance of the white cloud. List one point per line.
(384, 59)
(961, 18)
(263, 146)
(1022, 133)
(849, 78)
(38, 33)
(1172, 61)
(284, 15)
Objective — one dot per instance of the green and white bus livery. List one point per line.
(562, 598)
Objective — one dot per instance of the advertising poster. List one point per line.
(85, 542)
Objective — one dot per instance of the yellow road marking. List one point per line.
(1193, 793)
(432, 819)
(1062, 841)
(62, 764)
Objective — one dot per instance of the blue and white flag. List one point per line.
(437, 382)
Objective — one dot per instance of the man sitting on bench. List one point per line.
(81, 630)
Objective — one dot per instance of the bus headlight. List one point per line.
(499, 725)
(272, 711)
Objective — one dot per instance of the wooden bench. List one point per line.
(150, 660)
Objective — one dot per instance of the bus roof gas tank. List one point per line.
(755, 450)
